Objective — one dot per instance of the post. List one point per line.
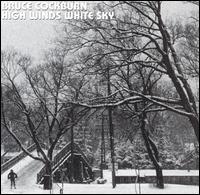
(62, 178)
(72, 151)
(102, 148)
(139, 180)
(111, 131)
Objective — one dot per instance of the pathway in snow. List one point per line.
(26, 170)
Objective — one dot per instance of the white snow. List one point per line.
(128, 189)
(28, 168)
(19, 166)
(12, 154)
(105, 189)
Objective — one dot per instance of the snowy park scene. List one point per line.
(99, 97)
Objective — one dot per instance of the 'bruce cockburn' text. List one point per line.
(28, 6)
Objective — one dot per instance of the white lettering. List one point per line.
(17, 6)
(111, 15)
(14, 15)
(44, 15)
(78, 15)
(104, 15)
(75, 6)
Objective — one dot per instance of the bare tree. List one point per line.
(45, 116)
(141, 21)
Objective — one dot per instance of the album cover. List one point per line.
(99, 97)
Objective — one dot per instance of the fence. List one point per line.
(182, 180)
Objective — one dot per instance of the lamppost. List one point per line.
(63, 170)
(72, 150)
(111, 129)
(102, 146)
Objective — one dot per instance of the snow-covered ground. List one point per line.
(128, 189)
(104, 189)
(28, 168)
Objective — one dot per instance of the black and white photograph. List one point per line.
(99, 97)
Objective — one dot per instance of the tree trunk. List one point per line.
(195, 124)
(153, 153)
(48, 176)
(159, 175)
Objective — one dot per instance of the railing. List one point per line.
(60, 157)
(57, 159)
(77, 148)
(41, 174)
(61, 154)
(129, 179)
(7, 165)
(188, 157)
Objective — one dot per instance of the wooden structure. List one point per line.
(62, 167)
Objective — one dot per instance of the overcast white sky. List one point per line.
(33, 37)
